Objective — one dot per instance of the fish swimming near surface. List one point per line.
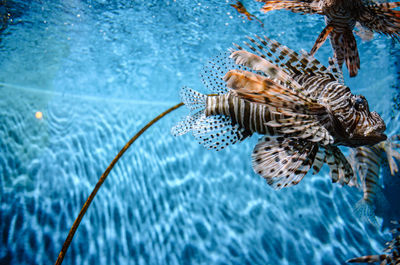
(300, 106)
(366, 162)
(392, 255)
(242, 10)
(341, 16)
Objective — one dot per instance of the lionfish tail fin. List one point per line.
(367, 259)
(345, 50)
(282, 161)
(196, 102)
(292, 5)
(366, 211)
(214, 132)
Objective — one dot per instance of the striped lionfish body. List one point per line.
(341, 16)
(392, 252)
(366, 162)
(298, 104)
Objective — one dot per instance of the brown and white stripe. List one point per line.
(248, 115)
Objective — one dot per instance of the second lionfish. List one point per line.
(341, 16)
(366, 162)
(300, 106)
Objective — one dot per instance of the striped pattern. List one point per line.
(248, 115)
(367, 164)
(340, 169)
(283, 162)
(341, 16)
(301, 105)
(350, 122)
(366, 161)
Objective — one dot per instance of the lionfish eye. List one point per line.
(359, 103)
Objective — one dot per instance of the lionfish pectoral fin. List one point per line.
(367, 259)
(344, 46)
(291, 62)
(257, 63)
(292, 5)
(260, 89)
(302, 126)
(321, 39)
(380, 17)
(340, 169)
(283, 162)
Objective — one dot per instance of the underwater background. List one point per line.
(98, 71)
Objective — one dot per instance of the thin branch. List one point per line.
(100, 182)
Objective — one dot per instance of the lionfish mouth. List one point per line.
(376, 132)
(376, 137)
(370, 139)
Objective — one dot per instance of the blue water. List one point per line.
(98, 71)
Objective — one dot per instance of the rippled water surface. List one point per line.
(99, 71)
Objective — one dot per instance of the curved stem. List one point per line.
(103, 177)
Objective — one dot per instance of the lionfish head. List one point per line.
(366, 128)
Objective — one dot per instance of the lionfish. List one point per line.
(392, 256)
(300, 106)
(341, 17)
(366, 161)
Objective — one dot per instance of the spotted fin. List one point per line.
(196, 103)
(380, 17)
(192, 99)
(292, 5)
(344, 47)
(368, 259)
(340, 169)
(283, 162)
(214, 71)
(217, 132)
(366, 211)
(185, 125)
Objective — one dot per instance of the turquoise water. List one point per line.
(99, 71)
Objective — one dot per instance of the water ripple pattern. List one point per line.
(98, 71)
